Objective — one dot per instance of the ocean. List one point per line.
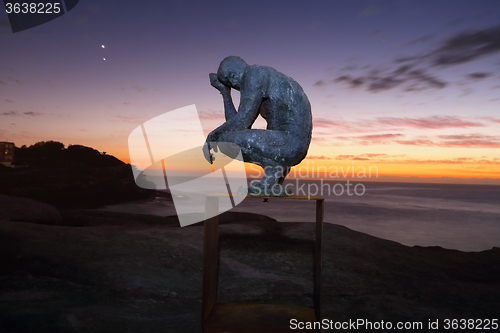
(452, 216)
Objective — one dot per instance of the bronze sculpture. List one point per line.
(281, 102)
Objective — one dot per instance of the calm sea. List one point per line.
(462, 217)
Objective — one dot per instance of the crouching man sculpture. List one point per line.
(281, 102)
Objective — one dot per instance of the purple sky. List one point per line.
(389, 81)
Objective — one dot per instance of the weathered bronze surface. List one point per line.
(281, 102)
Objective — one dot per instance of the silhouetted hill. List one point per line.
(52, 154)
(74, 177)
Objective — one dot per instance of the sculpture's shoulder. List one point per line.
(272, 74)
(256, 76)
(257, 71)
(264, 71)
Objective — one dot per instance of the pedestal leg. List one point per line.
(318, 257)
(210, 255)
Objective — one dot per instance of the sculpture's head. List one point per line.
(231, 71)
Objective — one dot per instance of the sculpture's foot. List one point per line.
(271, 184)
(259, 188)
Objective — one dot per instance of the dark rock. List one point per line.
(136, 273)
(27, 210)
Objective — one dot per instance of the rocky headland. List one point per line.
(85, 270)
(72, 177)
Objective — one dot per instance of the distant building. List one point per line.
(6, 153)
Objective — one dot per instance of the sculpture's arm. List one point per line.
(229, 110)
(243, 119)
(248, 111)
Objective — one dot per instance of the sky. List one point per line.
(410, 88)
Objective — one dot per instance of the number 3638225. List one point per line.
(33, 8)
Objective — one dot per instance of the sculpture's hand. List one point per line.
(214, 81)
(206, 152)
(209, 144)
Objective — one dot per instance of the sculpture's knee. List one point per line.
(238, 142)
(230, 149)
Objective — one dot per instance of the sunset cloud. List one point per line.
(328, 141)
(470, 140)
(346, 126)
(387, 123)
(413, 73)
(360, 157)
(463, 47)
(422, 39)
(32, 114)
(417, 142)
(492, 119)
(17, 114)
(212, 115)
(458, 160)
(14, 80)
(375, 155)
(461, 141)
(9, 113)
(452, 141)
(478, 75)
(132, 119)
(468, 162)
(467, 46)
(375, 139)
(320, 83)
(433, 122)
(405, 76)
(322, 157)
